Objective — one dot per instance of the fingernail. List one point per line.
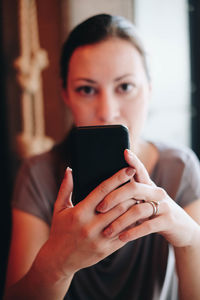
(130, 171)
(130, 153)
(101, 207)
(123, 237)
(65, 175)
(66, 170)
(108, 231)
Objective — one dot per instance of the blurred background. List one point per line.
(171, 31)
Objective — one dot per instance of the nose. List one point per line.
(107, 108)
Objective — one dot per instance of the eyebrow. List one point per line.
(94, 82)
(123, 76)
(85, 79)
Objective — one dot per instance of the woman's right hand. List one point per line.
(76, 240)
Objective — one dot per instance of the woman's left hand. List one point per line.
(171, 220)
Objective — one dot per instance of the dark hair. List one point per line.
(96, 29)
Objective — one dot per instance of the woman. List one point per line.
(120, 241)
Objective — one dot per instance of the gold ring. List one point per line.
(155, 206)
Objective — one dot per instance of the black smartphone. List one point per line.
(97, 153)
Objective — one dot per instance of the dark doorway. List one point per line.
(5, 170)
(194, 29)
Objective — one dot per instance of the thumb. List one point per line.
(142, 175)
(64, 195)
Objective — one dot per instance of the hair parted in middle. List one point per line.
(96, 29)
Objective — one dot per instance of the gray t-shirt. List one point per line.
(142, 269)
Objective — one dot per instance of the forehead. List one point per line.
(113, 56)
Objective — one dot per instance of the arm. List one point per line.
(29, 234)
(188, 260)
(47, 262)
(179, 227)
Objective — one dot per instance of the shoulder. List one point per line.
(37, 183)
(177, 170)
(178, 155)
(36, 169)
(38, 161)
(41, 174)
(52, 162)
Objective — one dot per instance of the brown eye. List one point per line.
(86, 90)
(125, 87)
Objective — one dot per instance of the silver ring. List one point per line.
(155, 205)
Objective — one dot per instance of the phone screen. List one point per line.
(97, 153)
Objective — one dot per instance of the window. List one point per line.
(164, 27)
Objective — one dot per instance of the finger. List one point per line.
(148, 227)
(132, 189)
(107, 186)
(113, 214)
(131, 217)
(140, 191)
(65, 191)
(116, 197)
(141, 172)
(116, 244)
(142, 211)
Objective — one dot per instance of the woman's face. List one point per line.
(107, 84)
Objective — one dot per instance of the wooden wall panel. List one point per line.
(50, 39)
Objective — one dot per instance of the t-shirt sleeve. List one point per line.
(35, 190)
(189, 190)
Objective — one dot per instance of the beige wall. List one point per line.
(82, 9)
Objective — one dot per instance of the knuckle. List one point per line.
(166, 207)
(161, 193)
(95, 246)
(133, 184)
(76, 216)
(139, 209)
(101, 254)
(168, 211)
(115, 227)
(104, 188)
(150, 226)
(128, 236)
(121, 176)
(85, 233)
(121, 208)
(107, 199)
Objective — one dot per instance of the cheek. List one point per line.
(82, 114)
(135, 113)
(135, 109)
